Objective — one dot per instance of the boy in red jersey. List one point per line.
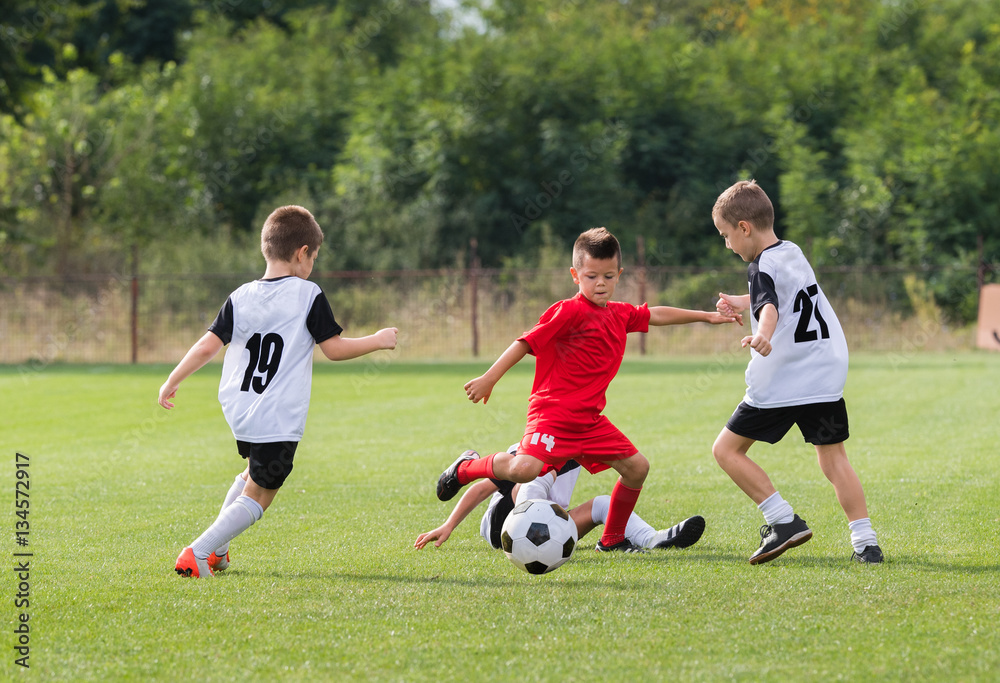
(578, 346)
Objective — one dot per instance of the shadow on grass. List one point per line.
(665, 558)
(439, 579)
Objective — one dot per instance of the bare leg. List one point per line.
(833, 461)
(582, 515)
(516, 468)
(263, 496)
(730, 451)
(631, 471)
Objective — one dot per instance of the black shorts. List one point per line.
(820, 423)
(270, 463)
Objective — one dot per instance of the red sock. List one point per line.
(620, 508)
(480, 468)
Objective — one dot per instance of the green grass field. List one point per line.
(328, 586)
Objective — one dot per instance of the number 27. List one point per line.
(804, 303)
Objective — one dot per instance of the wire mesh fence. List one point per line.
(442, 314)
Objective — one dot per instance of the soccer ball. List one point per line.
(538, 536)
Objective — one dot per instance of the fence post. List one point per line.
(640, 247)
(134, 318)
(981, 266)
(474, 294)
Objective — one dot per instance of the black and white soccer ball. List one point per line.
(538, 536)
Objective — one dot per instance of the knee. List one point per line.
(720, 453)
(635, 473)
(641, 466)
(524, 469)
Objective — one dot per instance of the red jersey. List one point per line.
(578, 347)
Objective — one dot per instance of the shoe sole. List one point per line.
(688, 536)
(796, 540)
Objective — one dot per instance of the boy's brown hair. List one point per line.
(745, 201)
(597, 243)
(287, 229)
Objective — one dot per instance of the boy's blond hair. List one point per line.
(286, 230)
(745, 201)
(597, 243)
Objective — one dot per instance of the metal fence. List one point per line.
(442, 314)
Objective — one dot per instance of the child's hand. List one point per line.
(478, 389)
(440, 534)
(722, 318)
(167, 392)
(387, 338)
(730, 306)
(758, 343)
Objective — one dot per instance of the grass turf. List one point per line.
(328, 587)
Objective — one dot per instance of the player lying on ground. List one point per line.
(558, 488)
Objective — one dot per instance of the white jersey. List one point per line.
(808, 359)
(271, 327)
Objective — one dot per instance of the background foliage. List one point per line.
(131, 127)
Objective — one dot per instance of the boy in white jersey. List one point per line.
(796, 375)
(271, 326)
(556, 486)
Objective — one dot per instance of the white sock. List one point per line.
(862, 534)
(599, 509)
(776, 510)
(234, 492)
(637, 530)
(230, 523)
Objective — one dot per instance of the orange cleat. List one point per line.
(216, 563)
(190, 566)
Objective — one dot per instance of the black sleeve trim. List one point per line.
(222, 326)
(320, 321)
(762, 290)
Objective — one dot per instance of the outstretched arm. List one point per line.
(481, 387)
(346, 348)
(203, 351)
(668, 315)
(473, 496)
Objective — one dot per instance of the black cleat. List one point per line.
(625, 546)
(680, 535)
(778, 538)
(872, 554)
(448, 485)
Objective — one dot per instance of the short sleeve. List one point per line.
(762, 290)
(222, 326)
(320, 321)
(548, 327)
(638, 319)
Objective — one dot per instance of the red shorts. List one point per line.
(592, 448)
